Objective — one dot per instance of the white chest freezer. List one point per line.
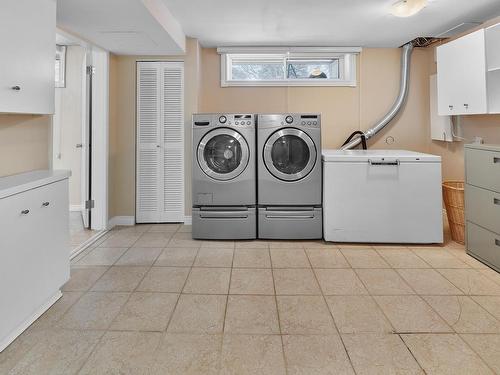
(382, 196)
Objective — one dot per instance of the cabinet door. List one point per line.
(462, 76)
(27, 37)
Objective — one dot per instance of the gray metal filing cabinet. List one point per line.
(482, 203)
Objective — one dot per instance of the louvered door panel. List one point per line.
(173, 142)
(160, 142)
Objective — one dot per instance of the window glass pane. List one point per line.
(320, 69)
(253, 71)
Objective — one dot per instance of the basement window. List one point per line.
(294, 66)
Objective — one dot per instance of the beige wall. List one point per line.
(123, 126)
(67, 124)
(24, 143)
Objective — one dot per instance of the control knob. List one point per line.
(222, 119)
(289, 119)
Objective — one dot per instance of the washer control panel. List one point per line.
(307, 120)
(236, 120)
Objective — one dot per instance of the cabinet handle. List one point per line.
(497, 242)
(496, 201)
(496, 160)
(466, 106)
(45, 204)
(450, 107)
(16, 88)
(25, 212)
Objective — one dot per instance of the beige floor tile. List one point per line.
(83, 278)
(120, 279)
(133, 229)
(445, 354)
(289, 258)
(196, 313)
(304, 315)
(94, 311)
(326, 258)
(319, 244)
(214, 257)
(102, 256)
(295, 282)
(471, 282)
(251, 258)
(342, 245)
(252, 244)
(164, 279)
(339, 282)
(358, 314)
(286, 244)
(139, 256)
(382, 354)
(251, 281)
(251, 315)
(428, 281)
(153, 240)
(466, 258)
(491, 274)
(57, 310)
(145, 312)
(487, 347)
(217, 244)
(439, 258)
(411, 314)
(184, 239)
(120, 239)
(364, 258)
(188, 354)
(252, 355)
(491, 304)
(123, 353)
(463, 314)
(164, 228)
(185, 229)
(208, 281)
(177, 257)
(58, 352)
(402, 258)
(315, 355)
(383, 282)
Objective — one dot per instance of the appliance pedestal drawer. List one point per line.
(290, 223)
(483, 244)
(224, 223)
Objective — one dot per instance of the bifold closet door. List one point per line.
(160, 142)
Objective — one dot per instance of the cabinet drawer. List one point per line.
(483, 207)
(483, 168)
(484, 244)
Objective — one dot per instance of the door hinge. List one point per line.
(89, 204)
(90, 69)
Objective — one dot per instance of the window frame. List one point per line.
(347, 57)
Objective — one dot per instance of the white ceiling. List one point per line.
(320, 22)
(129, 27)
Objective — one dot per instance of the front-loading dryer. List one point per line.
(223, 185)
(289, 179)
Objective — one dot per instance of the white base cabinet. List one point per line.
(34, 250)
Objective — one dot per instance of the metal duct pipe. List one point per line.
(403, 93)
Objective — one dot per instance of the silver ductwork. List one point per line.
(398, 104)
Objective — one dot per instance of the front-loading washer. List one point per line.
(289, 179)
(223, 185)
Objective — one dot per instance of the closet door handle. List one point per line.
(25, 212)
(45, 204)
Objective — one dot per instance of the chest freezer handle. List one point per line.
(382, 162)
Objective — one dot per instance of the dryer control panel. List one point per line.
(223, 119)
(308, 120)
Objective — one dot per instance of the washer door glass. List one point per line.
(223, 154)
(290, 154)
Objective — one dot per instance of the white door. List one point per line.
(86, 138)
(160, 142)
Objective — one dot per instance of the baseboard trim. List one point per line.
(29, 321)
(121, 220)
(82, 247)
(188, 220)
(75, 207)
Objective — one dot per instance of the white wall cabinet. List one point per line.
(160, 142)
(467, 82)
(34, 247)
(27, 37)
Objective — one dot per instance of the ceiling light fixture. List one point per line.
(407, 8)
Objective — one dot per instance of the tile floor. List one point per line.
(78, 234)
(150, 300)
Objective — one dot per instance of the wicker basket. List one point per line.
(453, 196)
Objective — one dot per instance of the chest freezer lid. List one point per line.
(365, 155)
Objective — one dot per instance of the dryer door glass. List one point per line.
(290, 154)
(223, 154)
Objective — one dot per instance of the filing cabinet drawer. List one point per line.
(483, 207)
(483, 168)
(484, 244)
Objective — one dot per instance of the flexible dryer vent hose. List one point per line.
(398, 104)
